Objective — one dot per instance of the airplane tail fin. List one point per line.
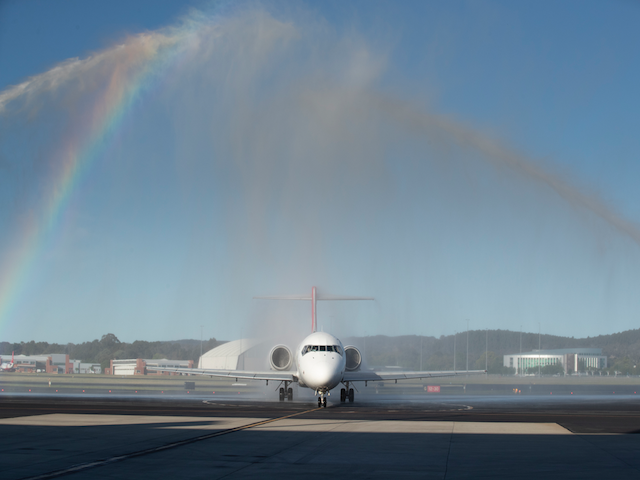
(314, 297)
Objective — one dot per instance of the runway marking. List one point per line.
(563, 414)
(418, 427)
(119, 458)
(101, 420)
(463, 408)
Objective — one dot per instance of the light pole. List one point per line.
(520, 339)
(520, 357)
(455, 335)
(486, 353)
(420, 353)
(467, 345)
(201, 326)
(538, 348)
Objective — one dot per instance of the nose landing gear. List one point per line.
(322, 400)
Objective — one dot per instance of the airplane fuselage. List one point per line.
(320, 361)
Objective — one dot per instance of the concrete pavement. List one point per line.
(302, 446)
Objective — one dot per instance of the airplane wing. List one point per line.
(237, 374)
(366, 376)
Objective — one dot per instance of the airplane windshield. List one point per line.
(321, 348)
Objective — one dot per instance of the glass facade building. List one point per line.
(571, 359)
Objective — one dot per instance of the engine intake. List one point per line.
(280, 358)
(353, 358)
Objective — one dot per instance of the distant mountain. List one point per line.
(186, 342)
(438, 353)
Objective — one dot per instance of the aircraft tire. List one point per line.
(282, 394)
(290, 394)
(351, 395)
(343, 395)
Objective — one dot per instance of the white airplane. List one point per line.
(7, 366)
(321, 362)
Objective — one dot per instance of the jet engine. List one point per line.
(280, 358)
(353, 358)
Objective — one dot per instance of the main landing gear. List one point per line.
(347, 393)
(286, 391)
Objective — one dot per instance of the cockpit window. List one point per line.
(321, 348)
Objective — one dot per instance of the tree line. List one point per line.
(413, 352)
(409, 352)
(109, 347)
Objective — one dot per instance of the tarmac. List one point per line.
(393, 437)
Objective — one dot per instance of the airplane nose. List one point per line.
(325, 375)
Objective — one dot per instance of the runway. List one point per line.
(447, 437)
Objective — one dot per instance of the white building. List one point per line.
(89, 368)
(138, 366)
(240, 354)
(571, 359)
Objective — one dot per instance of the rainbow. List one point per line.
(140, 65)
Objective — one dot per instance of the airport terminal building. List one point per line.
(138, 366)
(571, 359)
(58, 363)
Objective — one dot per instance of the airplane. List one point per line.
(321, 362)
(7, 366)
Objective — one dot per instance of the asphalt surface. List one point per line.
(391, 436)
(579, 414)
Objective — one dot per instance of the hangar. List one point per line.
(243, 354)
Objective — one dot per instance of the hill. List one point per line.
(407, 351)
(412, 351)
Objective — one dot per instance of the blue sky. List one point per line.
(263, 168)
